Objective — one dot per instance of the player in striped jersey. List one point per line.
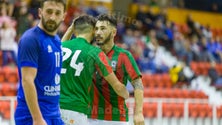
(107, 107)
(80, 61)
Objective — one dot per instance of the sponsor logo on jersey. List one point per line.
(113, 64)
(57, 79)
(49, 49)
(51, 90)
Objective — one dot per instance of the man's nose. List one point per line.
(98, 32)
(53, 16)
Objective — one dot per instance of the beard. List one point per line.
(50, 25)
(106, 40)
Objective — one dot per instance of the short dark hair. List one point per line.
(84, 22)
(57, 1)
(109, 18)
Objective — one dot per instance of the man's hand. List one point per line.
(138, 119)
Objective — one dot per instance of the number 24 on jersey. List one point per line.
(78, 67)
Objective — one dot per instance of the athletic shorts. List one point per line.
(74, 118)
(28, 121)
(105, 122)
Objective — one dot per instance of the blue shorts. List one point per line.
(28, 121)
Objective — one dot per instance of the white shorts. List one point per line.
(74, 118)
(105, 122)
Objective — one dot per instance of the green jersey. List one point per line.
(106, 104)
(80, 62)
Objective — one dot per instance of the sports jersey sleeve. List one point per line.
(28, 53)
(102, 64)
(130, 65)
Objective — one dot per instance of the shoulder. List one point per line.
(122, 51)
(75, 41)
(29, 37)
(34, 31)
(66, 43)
(30, 34)
(94, 50)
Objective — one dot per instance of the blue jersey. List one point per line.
(43, 52)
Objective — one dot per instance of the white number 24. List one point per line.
(78, 67)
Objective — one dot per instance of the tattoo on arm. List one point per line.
(137, 84)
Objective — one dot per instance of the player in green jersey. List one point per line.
(107, 107)
(81, 60)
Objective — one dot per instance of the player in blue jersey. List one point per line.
(39, 64)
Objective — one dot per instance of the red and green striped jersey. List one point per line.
(80, 61)
(106, 104)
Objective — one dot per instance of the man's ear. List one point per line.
(40, 13)
(114, 31)
(64, 16)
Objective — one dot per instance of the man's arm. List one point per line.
(68, 33)
(118, 87)
(28, 76)
(138, 95)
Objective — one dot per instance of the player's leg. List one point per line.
(73, 118)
